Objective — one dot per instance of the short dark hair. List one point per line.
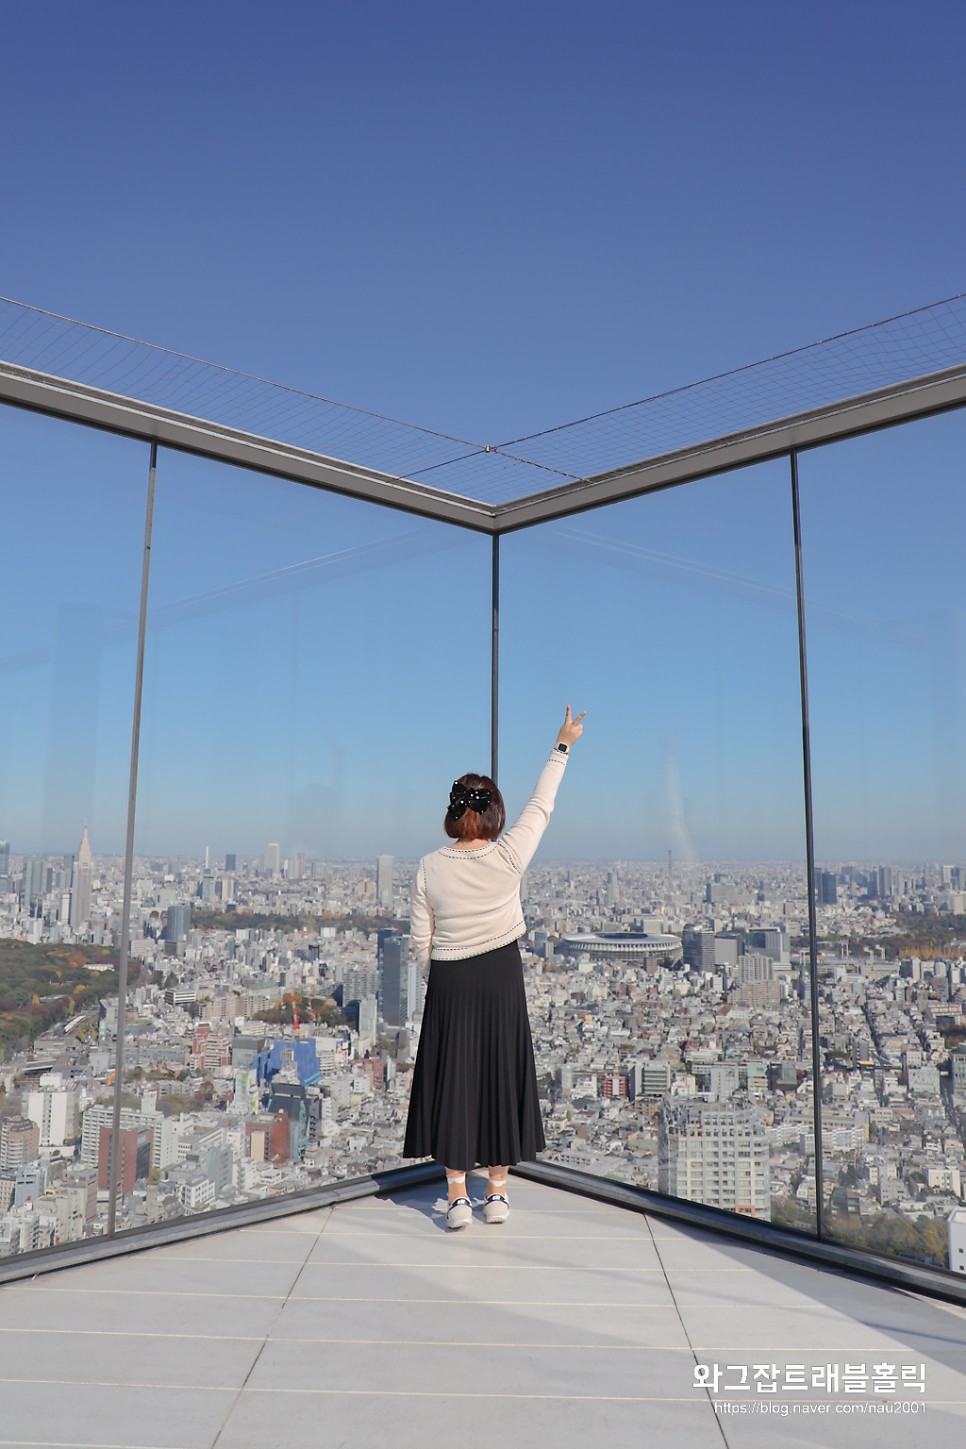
(474, 825)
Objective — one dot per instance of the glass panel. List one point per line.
(316, 674)
(883, 520)
(73, 506)
(667, 906)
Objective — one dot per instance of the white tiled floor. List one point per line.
(369, 1323)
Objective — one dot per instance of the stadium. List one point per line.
(634, 945)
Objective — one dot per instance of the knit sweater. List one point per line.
(466, 902)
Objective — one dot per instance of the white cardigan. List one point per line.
(465, 902)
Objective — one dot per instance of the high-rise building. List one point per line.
(34, 882)
(882, 882)
(53, 1105)
(134, 1157)
(957, 1062)
(715, 1153)
(80, 896)
(177, 922)
(698, 945)
(415, 990)
(359, 982)
(772, 941)
(394, 978)
(368, 1012)
(272, 858)
(755, 966)
(230, 864)
(19, 1142)
(4, 860)
(759, 993)
(162, 1130)
(827, 888)
(384, 880)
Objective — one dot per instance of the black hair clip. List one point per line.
(462, 799)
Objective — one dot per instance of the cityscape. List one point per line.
(273, 1018)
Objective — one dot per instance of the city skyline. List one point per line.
(671, 1026)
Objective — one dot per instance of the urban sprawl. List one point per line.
(273, 1018)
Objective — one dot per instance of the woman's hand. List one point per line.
(571, 729)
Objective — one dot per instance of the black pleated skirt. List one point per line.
(474, 1092)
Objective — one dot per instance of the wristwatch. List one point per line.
(562, 748)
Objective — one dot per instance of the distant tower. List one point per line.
(384, 880)
(827, 888)
(34, 878)
(272, 858)
(80, 895)
(394, 978)
(4, 857)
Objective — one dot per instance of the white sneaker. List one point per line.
(496, 1208)
(459, 1213)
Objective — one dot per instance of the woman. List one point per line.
(474, 1092)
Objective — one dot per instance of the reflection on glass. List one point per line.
(316, 674)
(883, 520)
(70, 559)
(668, 905)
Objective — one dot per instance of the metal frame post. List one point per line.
(115, 1154)
(809, 855)
(495, 661)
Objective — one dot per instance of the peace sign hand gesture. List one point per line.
(571, 729)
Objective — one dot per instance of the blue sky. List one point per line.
(486, 222)
(483, 220)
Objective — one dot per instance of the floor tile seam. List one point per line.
(792, 1355)
(795, 1353)
(489, 1267)
(491, 1258)
(475, 1343)
(472, 1343)
(709, 1400)
(491, 1251)
(136, 1333)
(225, 1258)
(536, 1212)
(261, 1346)
(88, 1383)
(494, 1303)
(327, 1218)
(486, 1394)
(436, 1228)
(74, 1444)
(546, 1212)
(47, 1291)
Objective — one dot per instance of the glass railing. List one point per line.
(71, 543)
(887, 675)
(317, 669)
(667, 980)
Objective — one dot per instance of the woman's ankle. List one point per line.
(455, 1185)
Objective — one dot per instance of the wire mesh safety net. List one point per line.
(822, 374)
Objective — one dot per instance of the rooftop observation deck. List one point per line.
(367, 1323)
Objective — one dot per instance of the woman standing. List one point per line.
(474, 1091)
